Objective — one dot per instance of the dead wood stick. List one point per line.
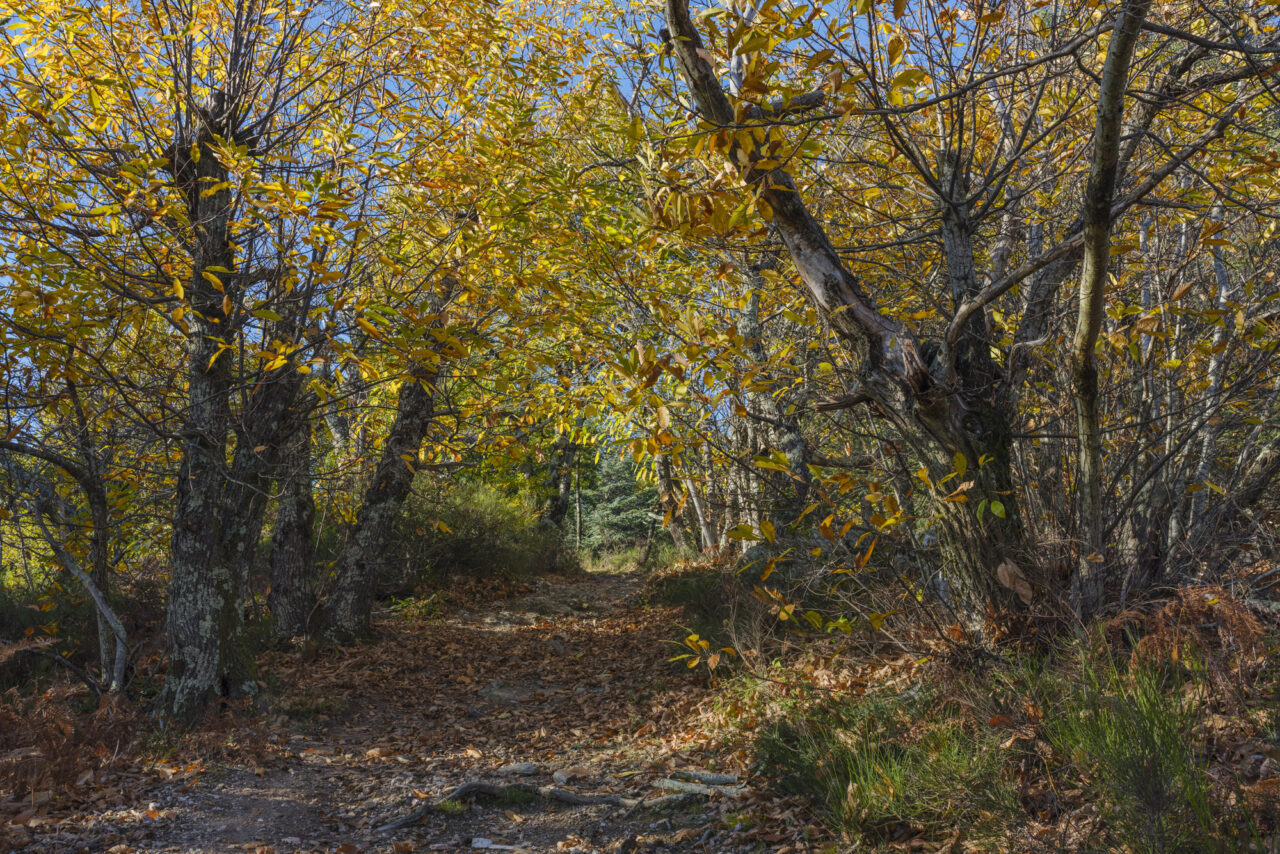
(492, 790)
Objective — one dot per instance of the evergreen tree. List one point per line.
(617, 509)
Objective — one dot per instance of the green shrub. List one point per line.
(883, 766)
(476, 532)
(1133, 737)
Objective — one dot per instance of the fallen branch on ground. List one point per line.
(548, 793)
(492, 790)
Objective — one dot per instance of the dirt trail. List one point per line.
(566, 687)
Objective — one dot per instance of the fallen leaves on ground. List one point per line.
(562, 683)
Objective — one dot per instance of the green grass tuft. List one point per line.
(879, 769)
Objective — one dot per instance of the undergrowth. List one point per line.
(1130, 735)
(472, 532)
(1158, 738)
(884, 768)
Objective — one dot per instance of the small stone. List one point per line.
(291, 840)
(568, 775)
(499, 692)
(523, 769)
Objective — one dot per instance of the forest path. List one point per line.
(568, 686)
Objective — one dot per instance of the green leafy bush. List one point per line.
(477, 532)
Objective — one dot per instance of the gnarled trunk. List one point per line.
(940, 396)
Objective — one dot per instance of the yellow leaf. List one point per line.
(909, 78)
(896, 45)
(766, 528)
(877, 620)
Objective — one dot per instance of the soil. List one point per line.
(568, 685)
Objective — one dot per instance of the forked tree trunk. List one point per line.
(351, 603)
(939, 397)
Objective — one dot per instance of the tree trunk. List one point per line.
(560, 465)
(670, 504)
(1089, 578)
(95, 492)
(789, 490)
(114, 674)
(700, 513)
(940, 396)
(293, 595)
(350, 606)
(204, 619)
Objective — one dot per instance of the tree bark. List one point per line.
(204, 618)
(1089, 577)
(349, 616)
(293, 595)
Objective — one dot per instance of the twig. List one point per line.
(70, 665)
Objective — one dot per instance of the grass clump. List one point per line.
(1134, 736)
(883, 768)
(452, 807)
